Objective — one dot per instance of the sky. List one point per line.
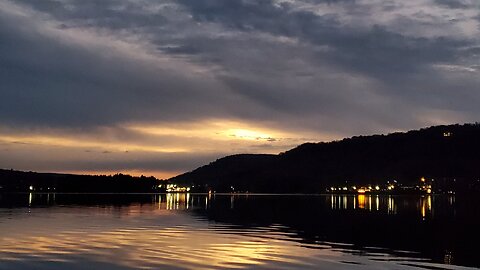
(162, 87)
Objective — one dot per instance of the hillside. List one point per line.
(448, 154)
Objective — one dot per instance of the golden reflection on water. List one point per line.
(147, 237)
(426, 206)
(392, 209)
(361, 201)
(162, 235)
(388, 204)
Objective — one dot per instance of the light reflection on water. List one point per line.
(169, 233)
(387, 203)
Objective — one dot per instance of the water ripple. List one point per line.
(151, 238)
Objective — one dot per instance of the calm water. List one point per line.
(189, 231)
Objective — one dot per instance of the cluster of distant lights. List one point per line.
(362, 189)
(175, 188)
(376, 188)
(370, 188)
(32, 188)
(426, 187)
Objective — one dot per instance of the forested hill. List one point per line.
(448, 154)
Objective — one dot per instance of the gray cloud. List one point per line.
(48, 82)
(327, 67)
(454, 3)
(375, 50)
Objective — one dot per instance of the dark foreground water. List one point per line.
(189, 231)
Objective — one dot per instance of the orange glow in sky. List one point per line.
(123, 149)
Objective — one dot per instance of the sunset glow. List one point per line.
(169, 86)
(142, 143)
(239, 134)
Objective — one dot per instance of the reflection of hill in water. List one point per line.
(438, 227)
(443, 228)
(68, 199)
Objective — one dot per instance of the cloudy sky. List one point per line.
(161, 87)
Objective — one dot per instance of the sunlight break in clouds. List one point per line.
(166, 86)
(146, 148)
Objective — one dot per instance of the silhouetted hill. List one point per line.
(448, 154)
(18, 181)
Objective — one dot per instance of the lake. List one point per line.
(215, 231)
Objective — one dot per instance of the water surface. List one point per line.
(197, 231)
